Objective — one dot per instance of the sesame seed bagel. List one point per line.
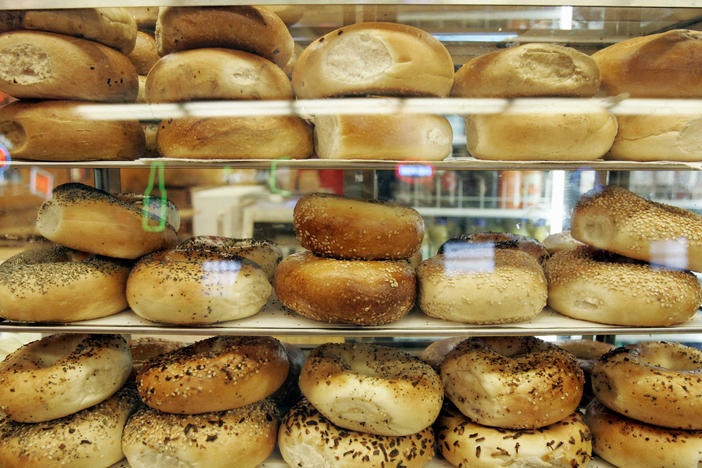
(654, 382)
(620, 221)
(341, 227)
(500, 240)
(42, 285)
(215, 374)
(88, 219)
(358, 292)
(512, 382)
(196, 285)
(560, 241)
(599, 286)
(369, 388)
(61, 375)
(90, 438)
(625, 442)
(242, 437)
(481, 285)
(563, 444)
(308, 440)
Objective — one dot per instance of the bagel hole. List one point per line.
(53, 351)
(675, 362)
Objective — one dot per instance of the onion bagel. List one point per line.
(369, 388)
(512, 382)
(61, 375)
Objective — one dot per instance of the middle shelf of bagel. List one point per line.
(274, 319)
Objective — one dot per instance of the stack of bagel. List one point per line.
(356, 270)
(377, 59)
(66, 402)
(54, 61)
(225, 53)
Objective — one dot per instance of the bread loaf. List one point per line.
(215, 74)
(145, 17)
(374, 58)
(528, 70)
(250, 28)
(114, 27)
(144, 54)
(54, 131)
(42, 65)
(658, 137)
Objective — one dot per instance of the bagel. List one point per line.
(341, 227)
(307, 439)
(625, 442)
(359, 292)
(250, 28)
(560, 241)
(88, 219)
(617, 220)
(566, 443)
(44, 285)
(242, 437)
(512, 382)
(196, 285)
(587, 352)
(90, 438)
(215, 374)
(598, 286)
(481, 284)
(436, 352)
(528, 70)
(653, 382)
(387, 59)
(61, 375)
(198, 74)
(501, 240)
(369, 388)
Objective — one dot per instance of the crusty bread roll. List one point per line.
(144, 54)
(422, 137)
(250, 28)
(658, 137)
(528, 70)
(215, 74)
(665, 65)
(290, 14)
(54, 131)
(114, 27)
(42, 65)
(267, 137)
(548, 136)
(145, 17)
(374, 58)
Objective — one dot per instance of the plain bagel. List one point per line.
(653, 382)
(308, 440)
(215, 374)
(61, 375)
(615, 219)
(44, 285)
(512, 382)
(242, 438)
(598, 286)
(566, 443)
(116, 222)
(341, 227)
(359, 292)
(369, 388)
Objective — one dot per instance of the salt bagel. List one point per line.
(598, 286)
(90, 438)
(342, 227)
(88, 219)
(307, 440)
(61, 375)
(358, 292)
(242, 438)
(512, 382)
(620, 221)
(654, 382)
(215, 374)
(566, 443)
(58, 284)
(369, 388)
(627, 443)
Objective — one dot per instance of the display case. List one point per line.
(456, 195)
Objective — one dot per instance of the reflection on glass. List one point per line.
(462, 257)
(672, 253)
